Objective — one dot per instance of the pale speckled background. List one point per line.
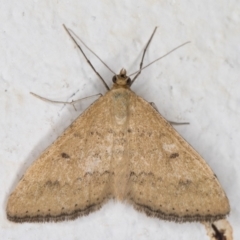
(199, 83)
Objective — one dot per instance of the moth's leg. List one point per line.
(144, 52)
(92, 52)
(93, 68)
(72, 102)
(173, 123)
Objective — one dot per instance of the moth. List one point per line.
(119, 148)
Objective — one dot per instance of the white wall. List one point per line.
(199, 83)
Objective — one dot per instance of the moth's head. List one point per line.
(121, 79)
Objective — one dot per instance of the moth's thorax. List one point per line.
(120, 101)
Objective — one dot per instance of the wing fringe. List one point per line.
(57, 218)
(175, 218)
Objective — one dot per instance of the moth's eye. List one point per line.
(129, 82)
(114, 79)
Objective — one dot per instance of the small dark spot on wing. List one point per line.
(65, 155)
(174, 155)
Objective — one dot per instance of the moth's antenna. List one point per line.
(160, 57)
(92, 52)
(105, 84)
(144, 51)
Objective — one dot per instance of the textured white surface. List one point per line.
(199, 83)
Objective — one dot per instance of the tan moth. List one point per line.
(121, 148)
